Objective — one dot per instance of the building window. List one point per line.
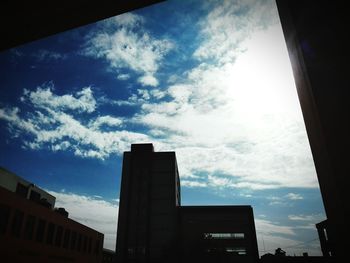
(79, 242)
(85, 243)
(89, 245)
(22, 190)
(97, 246)
(73, 240)
(40, 231)
(4, 218)
(66, 238)
(50, 233)
(325, 234)
(35, 196)
(240, 251)
(17, 223)
(29, 227)
(223, 235)
(58, 236)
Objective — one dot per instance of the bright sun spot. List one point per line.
(262, 77)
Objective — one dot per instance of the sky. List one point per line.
(210, 80)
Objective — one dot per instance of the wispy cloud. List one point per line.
(48, 55)
(272, 235)
(51, 125)
(123, 76)
(286, 200)
(228, 24)
(82, 101)
(191, 184)
(105, 120)
(294, 196)
(124, 43)
(93, 212)
(316, 218)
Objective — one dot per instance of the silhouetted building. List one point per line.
(14, 183)
(33, 232)
(149, 196)
(108, 256)
(153, 227)
(218, 234)
(326, 240)
(315, 33)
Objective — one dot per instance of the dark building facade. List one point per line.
(218, 234)
(149, 198)
(154, 227)
(315, 33)
(32, 231)
(326, 239)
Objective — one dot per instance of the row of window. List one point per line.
(30, 227)
(223, 235)
(239, 251)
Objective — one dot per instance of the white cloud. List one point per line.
(129, 20)
(83, 100)
(267, 228)
(123, 76)
(316, 218)
(50, 127)
(48, 55)
(144, 94)
(105, 120)
(271, 235)
(11, 115)
(158, 94)
(191, 184)
(293, 196)
(228, 24)
(93, 212)
(125, 47)
(148, 80)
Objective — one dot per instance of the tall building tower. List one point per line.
(148, 210)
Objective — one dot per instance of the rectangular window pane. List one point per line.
(4, 218)
(22, 190)
(89, 246)
(35, 196)
(40, 231)
(79, 242)
(17, 223)
(58, 239)
(73, 240)
(66, 238)
(29, 227)
(50, 233)
(85, 244)
(241, 251)
(97, 246)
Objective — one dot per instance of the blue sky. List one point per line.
(210, 80)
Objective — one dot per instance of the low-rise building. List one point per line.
(33, 231)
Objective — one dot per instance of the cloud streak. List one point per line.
(271, 235)
(93, 212)
(124, 43)
(52, 125)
